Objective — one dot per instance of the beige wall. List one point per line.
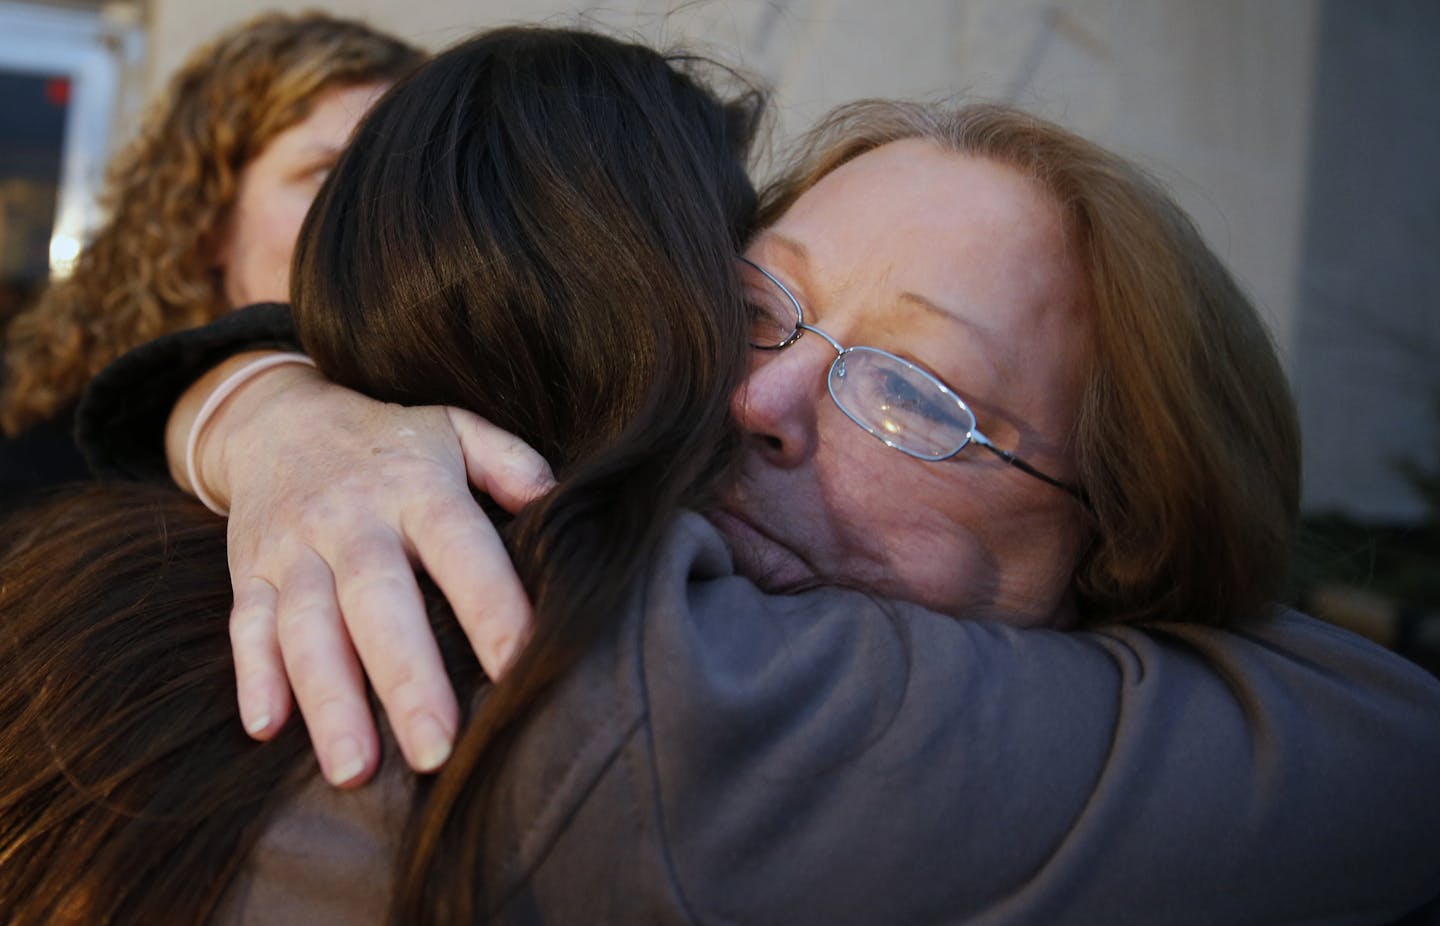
(1213, 97)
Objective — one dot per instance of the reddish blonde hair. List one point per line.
(1187, 443)
(149, 269)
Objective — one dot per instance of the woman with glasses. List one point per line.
(923, 281)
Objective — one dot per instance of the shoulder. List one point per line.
(997, 767)
(326, 856)
(833, 757)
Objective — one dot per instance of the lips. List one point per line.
(759, 555)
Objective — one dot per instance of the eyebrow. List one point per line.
(992, 356)
(796, 249)
(933, 308)
(801, 253)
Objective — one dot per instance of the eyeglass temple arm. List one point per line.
(1075, 491)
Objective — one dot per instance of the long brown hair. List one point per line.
(128, 790)
(149, 269)
(582, 238)
(1187, 443)
(540, 225)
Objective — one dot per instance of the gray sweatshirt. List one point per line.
(731, 757)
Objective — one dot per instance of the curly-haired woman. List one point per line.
(203, 209)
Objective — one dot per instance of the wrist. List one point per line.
(228, 420)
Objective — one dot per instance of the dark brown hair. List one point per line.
(128, 790)
(169, 194)
(540, 225)
(1187, 443)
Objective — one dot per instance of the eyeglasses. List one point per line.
(899, 403)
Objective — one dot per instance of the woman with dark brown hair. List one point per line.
(203, 207)
(924, 282)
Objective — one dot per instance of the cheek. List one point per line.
(908, 529)
(989, 553)
(289, 214)
(277, 223)
(262, 244)
(940, 561)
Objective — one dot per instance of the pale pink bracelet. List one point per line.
(212, 404)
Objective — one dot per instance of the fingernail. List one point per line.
(258, 724)
(346, 761)
(432, 743)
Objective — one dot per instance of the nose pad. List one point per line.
(776, 404)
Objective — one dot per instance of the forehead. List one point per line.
(922, 214)
(960, 262)
(972, 235)
(330, 119)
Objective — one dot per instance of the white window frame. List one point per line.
(92, 49)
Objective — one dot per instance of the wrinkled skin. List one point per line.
(965, 267)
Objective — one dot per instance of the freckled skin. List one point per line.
(970, 536)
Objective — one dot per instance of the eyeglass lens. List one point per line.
(899, 404)
(892, 399)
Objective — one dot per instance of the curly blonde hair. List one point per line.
(149, 269)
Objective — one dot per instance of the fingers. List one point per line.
(262, 690)
(332, 518)
(500, 464)
(463, 554)
(325, 674)
(385, 616)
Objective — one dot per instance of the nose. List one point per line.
(777, 405)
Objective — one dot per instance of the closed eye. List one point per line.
(902, 394)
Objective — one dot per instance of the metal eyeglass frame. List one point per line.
(972, 433)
